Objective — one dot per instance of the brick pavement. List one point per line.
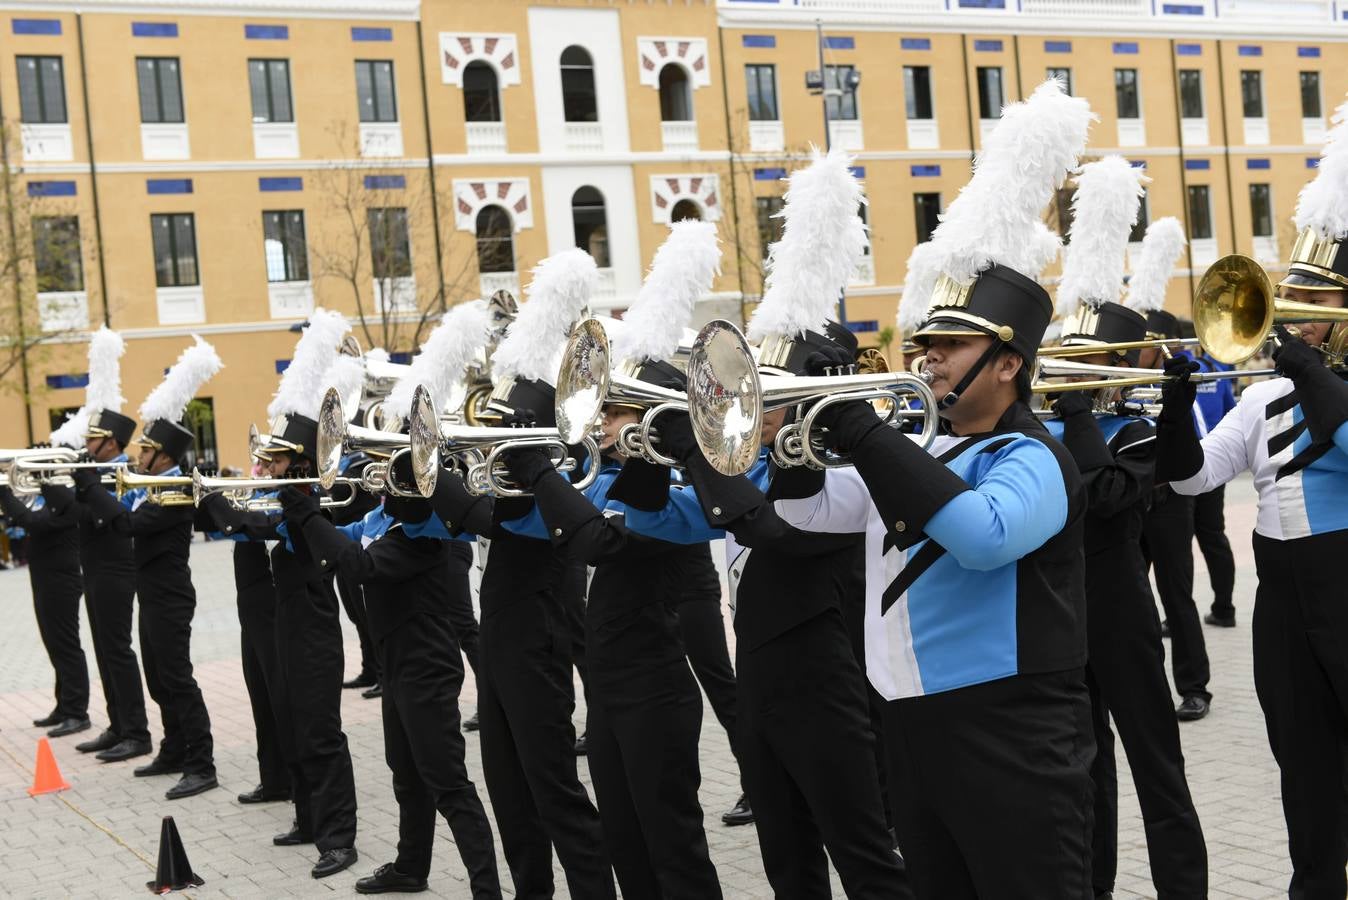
(100, 837)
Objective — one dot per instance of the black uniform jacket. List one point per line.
(53, 546)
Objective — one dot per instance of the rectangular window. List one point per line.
(1261, 210)
(175, 249)
(927, 211)
(1126, 98)
(1200, 213)
(161, 89)
(284, 247)
(1140, 226)
(917, 91)
(762, 84)
(374, 90)
(1062, 74)
(840, 96)
(269, 85)
(56, 254)
(42, 90)
(1252, 93)
(390, 249)
(769, 222)
(990, 96)
(1191, 93)
(1310, 95)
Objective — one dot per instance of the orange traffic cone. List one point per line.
(47, 779)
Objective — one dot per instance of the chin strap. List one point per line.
(953, 397)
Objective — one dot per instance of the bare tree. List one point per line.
(376, 229)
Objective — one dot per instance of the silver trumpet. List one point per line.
(240, 492)
(26, 474)
(477, 450)
(727, 398)
(336, 438)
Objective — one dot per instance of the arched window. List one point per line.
(495, 241)
(481, 96)
(579, 102)
(676, 94)
(590, 224)
(685, 209)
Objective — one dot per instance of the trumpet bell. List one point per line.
(725, 398)
(582, 381)
(331, 436)
(423, 433)
(1233, 309)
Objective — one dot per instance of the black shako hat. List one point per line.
(1107, 323)
(291, 433)
(106, 423)
(173, 439)
(523, 395)
(1000, 302)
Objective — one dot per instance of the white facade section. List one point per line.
(689, 52)
(621, 280)
(511, 194)
(668, 190)
(290, 299)
(164, 141)
(500, 51)
(276, 140)
(47, 143)
(551, 31)
(181, 305)
(63, 310)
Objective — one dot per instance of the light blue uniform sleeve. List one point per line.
(1341, 437)
(283, 530)
(355, 530)
(1016, 506)
(680, 522)
(434, 528)
(533, 526)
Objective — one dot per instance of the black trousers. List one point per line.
(1210, 530)
(525, 701)
(309, 698)
(166, 651)
(572, 595)
(1301, 678)
(1167, 543)
(353, 601)
(643, 724)
(462, 620)
(702, 631)
(807, 755)
(424, 748)
(109, 601)
(1126, 678)
(56, 602)
(257, 645)
(996, 789)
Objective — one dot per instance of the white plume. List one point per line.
(376, 355)
(444, 358)
(997, 217)
(71, 432)
(302, 383)
(1161, 249)
(1323, 203)
(105, 371)
(823, 240)
(560, 289)
(923, 266)
(1104, 209)
(681, 272)
(194, 368)
(347, 375)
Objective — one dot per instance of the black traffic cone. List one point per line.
(174, 872)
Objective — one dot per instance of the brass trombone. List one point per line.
(727, 398)
(1166, 344)
(1111, 377)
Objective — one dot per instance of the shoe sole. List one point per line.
(393, 890)
(737, 823)
(318, 875)
(254, 801)
(117, 759)
(191, 793)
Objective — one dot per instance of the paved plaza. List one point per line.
(100, 838)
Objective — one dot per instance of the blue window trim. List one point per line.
(290, 183)
(35, 26)
(385, 182)
(168, 185)
(1126, 48)
(988, 46)
(154, 29)
(924, 171)
(266, 32)
(74, 380)
(760, 41)
(1258, 163)
(371, 34)
(51, 188)
(1197, 165)
(914, 43)
(1057, 46)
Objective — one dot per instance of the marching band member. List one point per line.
(525, 690)
(54, 573)
(108, 562)
(805, 742)
(644, 710)
(1115, 452)
(395, 553)
(162, 538)
(307, 696)
(1288, 432)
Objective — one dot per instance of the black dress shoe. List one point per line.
(292, 838)
(1192, 708)
(159, 766)
(1221, 621)
(261, 794)
(388, 880)
(70, 726)
(363, 680)
(471, 723)
(47, 721)
(191, 785)
(376, 691)
(582, 744)
(739, 814)
(1165, 628)
(334, 861)
(125, 750)
(104, 741)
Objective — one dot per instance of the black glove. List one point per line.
(1073, 403)
(1295, 358)
(85, 479)
(847, 424)
(520, 418)
(1179, 455)
(528, 464)
(676, 435)
(829, 359)
(1178, 392)
(298, 506)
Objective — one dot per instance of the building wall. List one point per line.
(446, 170)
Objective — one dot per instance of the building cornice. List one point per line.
(387, 10)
